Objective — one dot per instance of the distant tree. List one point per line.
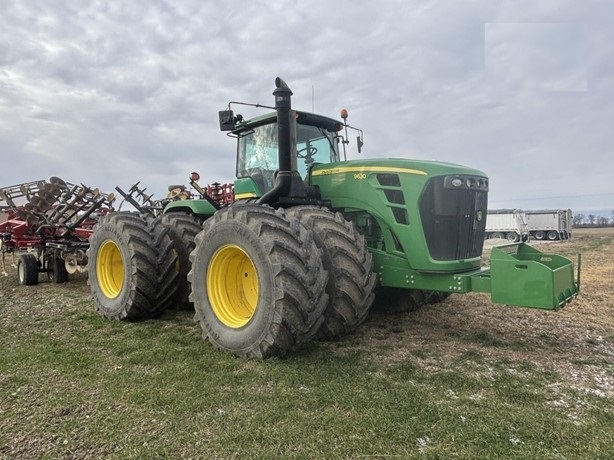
(591, 219)
(602, 221)
(579, 218)
(612, 218)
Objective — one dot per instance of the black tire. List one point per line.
(512, 237)
(182, 229)
(433, 297)
(27, 270)
(497, 236)
(258, 285)
(540, 235)
(400, 300)
(552, 236)
(350, 269)
(131, 266)
(58, 273)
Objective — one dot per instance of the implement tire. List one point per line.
(182, 229)
(27, 270)
(350, 269)
(258, 285)
(58, 273)
(131, 268)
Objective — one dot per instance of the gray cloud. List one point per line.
(109, 93)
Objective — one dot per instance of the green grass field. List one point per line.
(462, 379)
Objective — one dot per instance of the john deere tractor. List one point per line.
(311, 241)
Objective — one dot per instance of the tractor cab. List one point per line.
(315, 141)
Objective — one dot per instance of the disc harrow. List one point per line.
(54, 217)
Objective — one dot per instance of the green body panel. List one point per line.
(394, 271)
(353, 185)
(246, 188)
(198, 207)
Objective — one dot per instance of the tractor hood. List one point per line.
(433, 214)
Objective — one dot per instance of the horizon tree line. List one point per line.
(593, 220)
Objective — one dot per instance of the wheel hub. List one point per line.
(110, 269)
(232, 286)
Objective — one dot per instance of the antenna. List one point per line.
(313, 97)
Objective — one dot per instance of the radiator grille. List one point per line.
(454, 217)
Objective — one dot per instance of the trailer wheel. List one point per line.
(258, 284)
(497, 236)
(131, 268)
(350, 269)
(552, 236)
(540, 235)
(58, 273)
(512, 236)
(182, 228)
(27, 270)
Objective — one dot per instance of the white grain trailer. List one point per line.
(568, 223)
(551, 224)
(510, 224)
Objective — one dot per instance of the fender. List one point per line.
(201, 208)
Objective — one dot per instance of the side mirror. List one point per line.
(359, 143)
(227, 120)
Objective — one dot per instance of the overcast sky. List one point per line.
(109, 93)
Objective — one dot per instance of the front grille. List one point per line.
(454, 217)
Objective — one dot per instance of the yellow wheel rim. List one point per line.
(232, 286)
(110, 269)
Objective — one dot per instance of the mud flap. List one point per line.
(525, 277)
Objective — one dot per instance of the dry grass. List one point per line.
(462, 379)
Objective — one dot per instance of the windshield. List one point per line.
(258, 154)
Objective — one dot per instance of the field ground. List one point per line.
(461, 379)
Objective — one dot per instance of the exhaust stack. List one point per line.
(288, 182)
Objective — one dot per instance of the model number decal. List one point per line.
(360, 176)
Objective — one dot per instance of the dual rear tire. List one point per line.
(345, 256)
(132, 266)
(182, 230)
(266, 282)
(258, 284)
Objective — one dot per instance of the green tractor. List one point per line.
(312, 241)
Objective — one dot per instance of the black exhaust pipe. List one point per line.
(286, 144)
(283, 106)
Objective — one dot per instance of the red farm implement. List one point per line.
(54, 218)
(219, 195)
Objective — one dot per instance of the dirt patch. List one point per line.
(576, 342)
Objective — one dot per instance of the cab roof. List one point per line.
(304, 118)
